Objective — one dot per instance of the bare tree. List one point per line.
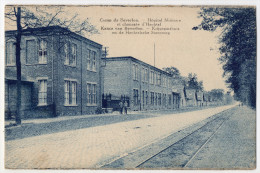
(27, 17)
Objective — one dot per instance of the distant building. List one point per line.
(146, 87)
(60, 73)
(200, 98)
(191, 99)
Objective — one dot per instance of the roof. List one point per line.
(136, 60)
(56, 28)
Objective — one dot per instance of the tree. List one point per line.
(35, 17)
(217, 94)
(193, 82)
(237, 47)
(172, 70)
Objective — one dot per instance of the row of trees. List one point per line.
(237, 47)
(192, 82)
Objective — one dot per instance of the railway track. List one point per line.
(176, 154)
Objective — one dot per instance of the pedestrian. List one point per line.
(121, 105)
(125, 107)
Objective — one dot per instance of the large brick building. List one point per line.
(61, 73)
(147, 87)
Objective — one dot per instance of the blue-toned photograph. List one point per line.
(130, 87)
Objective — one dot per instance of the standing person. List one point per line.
(121, 105)
(125, 107)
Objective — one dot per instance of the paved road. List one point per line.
(95, 146)
(36, 127)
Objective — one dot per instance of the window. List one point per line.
(155, 78)
(42, 51)
(67, 92)
(66, 51)
(70, 93)
(170, 99)
(152, 77)
(135, 72)
(74, 93)
(159, 99)
(146, 75)
(156, 99)
(91, 94)
(73, 54)
(143, 75)
(10, 53)
(158, 79)
(146, 97)
(94, 65)
(152, 98)
(136, 95)
(88, 60)
(89, 97)
(94, 93)
(143, 97)
(70, 54)
(42, 94)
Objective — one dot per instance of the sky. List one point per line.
(188, 50)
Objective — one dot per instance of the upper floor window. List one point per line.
(73, 54)
(159, 79)
(70, 54)
(143, 75)
(10, 53)
(146, 75)
(66, 51)
(94, 65)
(151, 77)
(88, 59)
(91, 60)
(135, 71)
(42, 51)
(156, 78)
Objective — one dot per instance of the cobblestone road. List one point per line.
(92, 147)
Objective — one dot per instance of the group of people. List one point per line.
(123, 107)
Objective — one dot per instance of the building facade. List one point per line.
(61, 73)
(147, 87)
(191, 98)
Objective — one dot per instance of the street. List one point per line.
(101, 146)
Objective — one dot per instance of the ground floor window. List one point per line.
(152, 98)
(170, 99)
(70, 93)
(146, 97)
(91, 94)
(155, 99)
(159, 99)
(135, 93)
(42, 94)
(143, 97)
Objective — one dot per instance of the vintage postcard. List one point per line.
(130, 87)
